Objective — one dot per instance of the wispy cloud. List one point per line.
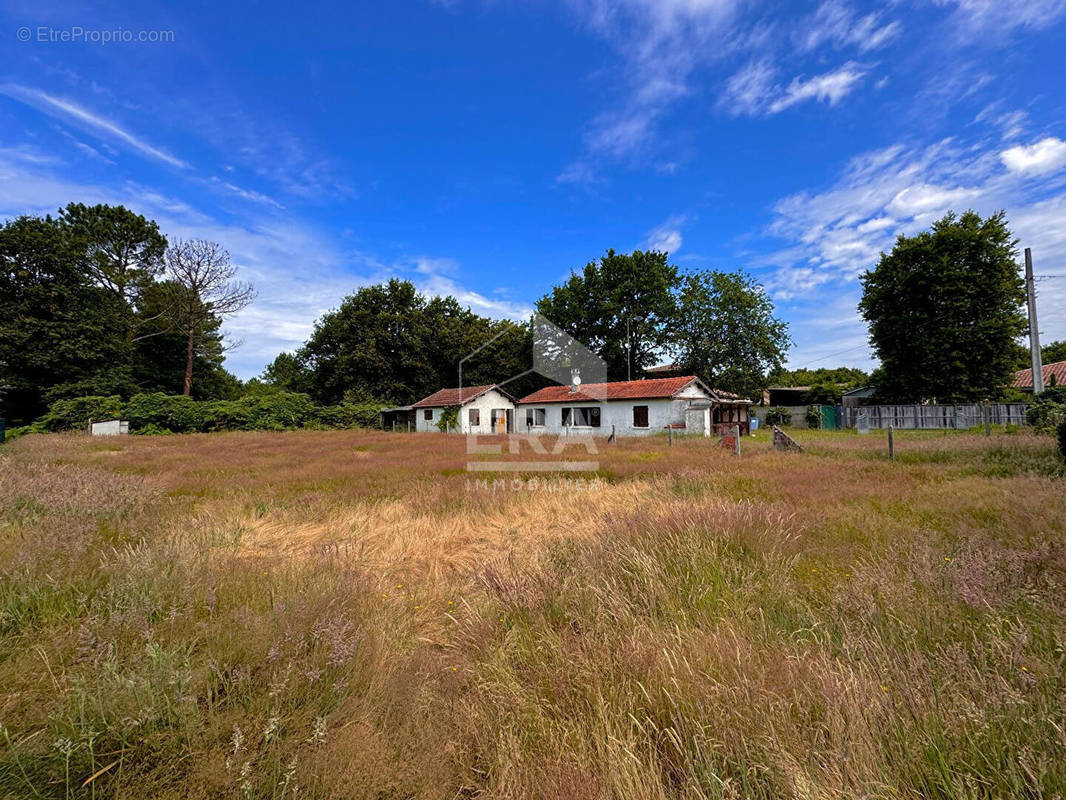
(837, 24)
(71, 112)
(753, 90)
(833, 235)
(984, 19)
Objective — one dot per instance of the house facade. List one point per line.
(632, 408)
(482, 409)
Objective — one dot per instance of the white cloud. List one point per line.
(831, 236)
(661, 43)
(753, 91)
(996, 18)
(1040, 158)
(837, 24)
(830, 87)
(65, 109)
(667, 236)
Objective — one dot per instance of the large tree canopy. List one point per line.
(944, 309)
(621, 307)
(84, 313)
(390, 342)
(726, 331)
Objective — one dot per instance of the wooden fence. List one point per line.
(933, 417)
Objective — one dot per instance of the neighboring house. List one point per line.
(854, 398)
(482, 409)
(633, 408)
(1023, 378)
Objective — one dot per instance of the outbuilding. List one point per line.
(481, 409)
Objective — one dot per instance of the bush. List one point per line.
(778, 415)
(350, 415)
(1062, 439)
(1046, 412)
(448, 418)
(76, 413)
(170, 412)
(226, 415)
(813, 416)
(278, 411)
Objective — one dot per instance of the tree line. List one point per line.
(635, 310)
(98, 302)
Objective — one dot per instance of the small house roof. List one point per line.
(650, 389)
(455, 397)
(1023, 378)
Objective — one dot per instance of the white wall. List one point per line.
(661, 412)
(484, 404)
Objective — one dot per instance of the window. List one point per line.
(640, 416)
(475, 417)
(534, 417)
(582, 417)
(427, 414)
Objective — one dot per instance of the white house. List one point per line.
(633, 408)
(482, 409)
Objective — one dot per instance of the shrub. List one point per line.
(1046, 411)
(278, 411)
(813, 416)
(350, 415)
(225, 415)
(778, 415)
(76, 413)
(1062, 439)
(170, 412)
(449, 417)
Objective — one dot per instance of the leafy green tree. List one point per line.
(726, 331)
(620, 307)
(390, 342)
(56, 337)
(845, 378)
(1053, 352)
(122, 252)
(287, 372)
(944, 308)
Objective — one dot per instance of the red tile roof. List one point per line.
(452, 397)
(1023, 378)
(619, 390)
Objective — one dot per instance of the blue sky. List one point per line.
(484, 149)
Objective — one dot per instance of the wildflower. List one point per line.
(884, 688)
(237, 739)
(946, 558)
(318, 731)
(271, 729)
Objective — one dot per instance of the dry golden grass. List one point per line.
(351, 614)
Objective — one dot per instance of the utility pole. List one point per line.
(1034, 330)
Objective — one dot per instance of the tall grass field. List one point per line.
(350, 614)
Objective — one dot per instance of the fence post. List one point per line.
(736, 440)
(670, 433)
(891, 444)
(986, 412)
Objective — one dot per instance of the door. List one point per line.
(510, 420)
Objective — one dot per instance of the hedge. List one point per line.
(165, 413)
(77, 412)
